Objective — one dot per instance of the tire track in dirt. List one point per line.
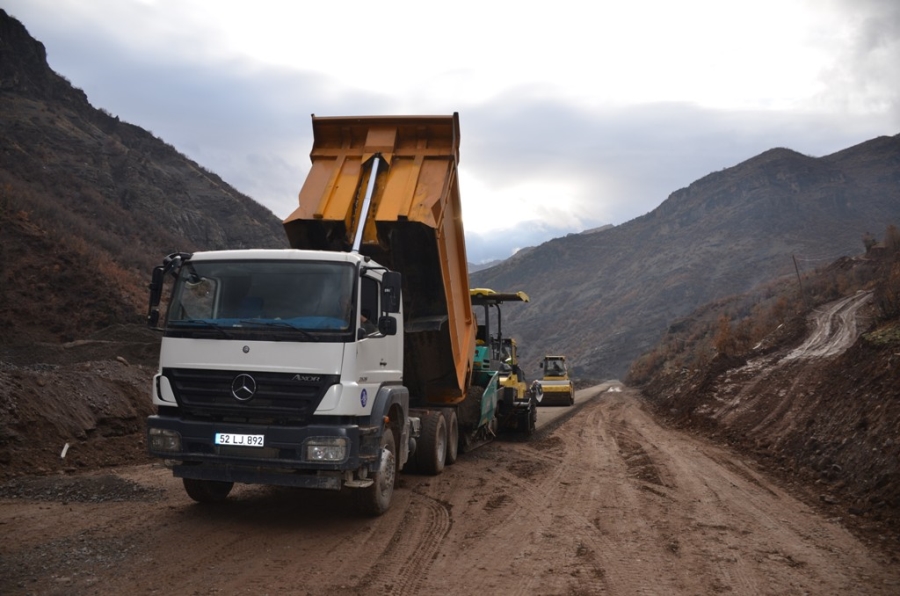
(401, 568)
(521, 541)
(835, 329)
(608, 502)
(744, 533)
(265, 538)
(592, 488)
(746, 523)
(565, 529)
(709, 559)
(653, 495)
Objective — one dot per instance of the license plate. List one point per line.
(240, 440)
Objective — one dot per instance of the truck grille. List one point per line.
(208, 393)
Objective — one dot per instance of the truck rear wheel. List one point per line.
(207, 491)
(431, 452)
(452, 437)
(376, 499)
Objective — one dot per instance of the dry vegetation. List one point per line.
(740, 326)
(58, 286)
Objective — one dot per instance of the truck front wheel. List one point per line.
(376, 499)
(207, 491)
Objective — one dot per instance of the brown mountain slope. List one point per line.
(605, 298)
(88, 204)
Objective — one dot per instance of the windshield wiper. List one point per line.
(201, 323)
(273, 323)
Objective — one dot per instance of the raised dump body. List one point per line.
(413, 225)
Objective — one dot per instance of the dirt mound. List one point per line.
(80, 405)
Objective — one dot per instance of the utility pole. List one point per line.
(800, 282)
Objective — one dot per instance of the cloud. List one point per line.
(623, 161)
(557, 137)
(531, 169)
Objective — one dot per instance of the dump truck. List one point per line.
(558, 388)
(345, 359)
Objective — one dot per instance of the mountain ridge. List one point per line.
(102, 190)
(720, 235)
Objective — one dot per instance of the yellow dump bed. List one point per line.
(414, 226)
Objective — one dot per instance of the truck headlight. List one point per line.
(331, 449)
(162, 439)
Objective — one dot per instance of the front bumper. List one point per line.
(283, 460)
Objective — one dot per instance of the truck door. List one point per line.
(378, 357)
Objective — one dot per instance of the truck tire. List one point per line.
(431, 451)
(452, 437)
(376, 499)
(207, 491)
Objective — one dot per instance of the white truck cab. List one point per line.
(272, 371)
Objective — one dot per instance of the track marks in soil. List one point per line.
(536, 510)
(608, 502)
(835, 328)
(497, 501)
(528, 470)
(739, 392)
(639, 463)
(744, 472)
(588, 464)
(401, 568)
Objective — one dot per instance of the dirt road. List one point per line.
(603, 502)
(834, 328)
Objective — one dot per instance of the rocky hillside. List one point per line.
(88, 204)
(605, 298)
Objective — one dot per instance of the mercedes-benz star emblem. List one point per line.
(243, 387)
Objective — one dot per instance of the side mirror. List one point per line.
(156, 287)
(387, 325)
(390, 294)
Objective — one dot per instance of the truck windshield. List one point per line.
(303, 298)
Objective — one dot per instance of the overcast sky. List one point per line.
(573, 114)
